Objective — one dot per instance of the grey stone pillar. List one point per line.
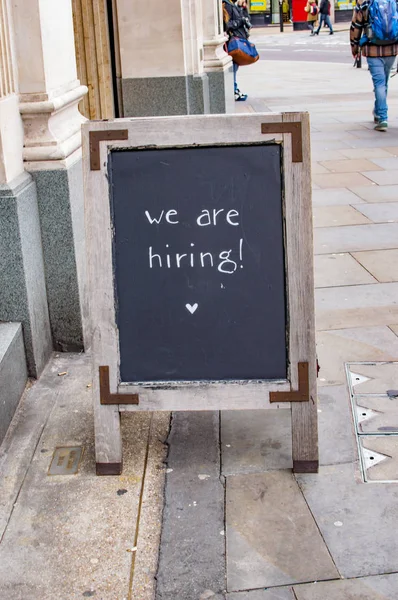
(61, 209)
(22, 285)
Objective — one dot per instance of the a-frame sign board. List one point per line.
(200, 270)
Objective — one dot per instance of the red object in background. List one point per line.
(298, 12)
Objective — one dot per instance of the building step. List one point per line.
(13, 372)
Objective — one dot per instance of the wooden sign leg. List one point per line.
(108, 438)
(305, 429)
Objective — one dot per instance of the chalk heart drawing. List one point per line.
(191, 307)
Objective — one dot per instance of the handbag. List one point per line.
(242, 51)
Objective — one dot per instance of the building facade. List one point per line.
(62, 61)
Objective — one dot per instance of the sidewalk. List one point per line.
(310, 537)
(66, 537)
(237, 525)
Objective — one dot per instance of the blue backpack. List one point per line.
(382, 27)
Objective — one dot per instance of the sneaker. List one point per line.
(239, 97)
(376, 119)
(381, 126)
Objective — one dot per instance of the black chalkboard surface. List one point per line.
(199, 263)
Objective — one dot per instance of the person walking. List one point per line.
(324, 18)
(236, 24)
(374, 32)
(312, 9)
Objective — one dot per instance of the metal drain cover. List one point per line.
(65, 461)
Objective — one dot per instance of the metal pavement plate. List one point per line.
(372, 377)
(376, 414)
(357, 379)
(379, 457)
(66, 460)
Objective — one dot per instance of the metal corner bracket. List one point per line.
(106, 135)
(295, 130)
(105, 394)
(301, 395)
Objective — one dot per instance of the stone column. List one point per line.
(217, 64)
(22, 285)
(161, 54)
(49, 97)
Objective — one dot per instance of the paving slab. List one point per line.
(382, 264)
(322, 154)
(286, 549)
(326, 136)
(382, 587)
(352, 306)
(386, 193)
(353, 238)
(368, 153)
(317, 168)
(350, 116)
(332, 216)
(381, 141)
(393, 150)
(334, 197)
(376, 414)
(337, 347)
(256, 440)
(280, 593)
(335, 126)
(358, 521)
(385, 163)
(383, 451)
(192, 549)
(351, 165)
(383, 177)
(349, 180)
(366, 133)
(383, 212)
(339, 269)
(337, 442)
(377, 378)
(394, 328)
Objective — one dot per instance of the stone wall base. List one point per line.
(61, 208)
(221, 91)
(161, 96)
(23, 295)
(13, 373)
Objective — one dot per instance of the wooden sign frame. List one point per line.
(298, 391)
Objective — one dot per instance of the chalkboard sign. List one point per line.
(199, 263)
(199, 260)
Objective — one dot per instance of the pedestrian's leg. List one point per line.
(235, 67)
(376, 68)
(388, 65)
(239, 97)
(329, 23)
(311, 26)
(321, 19)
